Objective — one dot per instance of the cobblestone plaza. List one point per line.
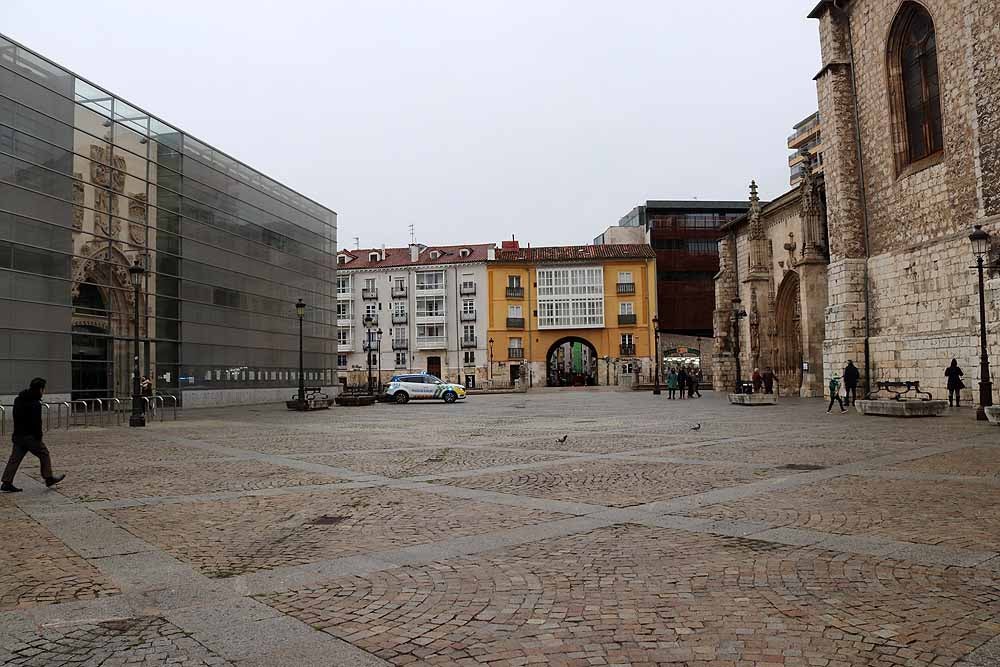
(558, 527)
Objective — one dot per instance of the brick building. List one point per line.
(908, 101)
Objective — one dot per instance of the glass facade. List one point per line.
(89, 184)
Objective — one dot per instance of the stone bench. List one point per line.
(896, 408)
(759, 398)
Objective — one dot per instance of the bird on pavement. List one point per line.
(563, 439)
(696, 427)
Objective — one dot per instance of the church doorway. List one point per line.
(571, 362)
(92, 345)
(788, 343)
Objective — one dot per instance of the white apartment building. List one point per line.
(421, 308)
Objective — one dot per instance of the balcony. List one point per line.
(345, 346)
(626, 320)
(515, 353)
(370, 294)
(468, 317)
(345, 321)
(467, 289)
(370, 320)
(626, 288)
(432, 343)
(515, 322)
(469, 341)
(400, 344)
(627, 349)
(515, 292)
(398, 292)
(399, 318)
(344, 296)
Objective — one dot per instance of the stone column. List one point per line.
(845, 314)
(812, 286)
(760, 316)
(723, 362)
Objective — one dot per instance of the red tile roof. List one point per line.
(576, 253)
(397, 257)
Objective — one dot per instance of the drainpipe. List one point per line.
(840, 5)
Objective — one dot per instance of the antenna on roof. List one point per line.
(413, 235)
(357, 242)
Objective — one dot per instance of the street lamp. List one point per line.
(300, 310)
(656, 351)
(369, 333)
(738, 314)
(138, 416)
(378, 358)
(489, 374)
(981, 249)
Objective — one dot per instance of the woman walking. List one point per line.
(955, 385)
(671, 384)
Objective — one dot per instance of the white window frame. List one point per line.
(468, 306)
(424, 301)
(429, 280)
(626, 308)
(515, 311)
(625, 277)
(570, 297)
(343, 284)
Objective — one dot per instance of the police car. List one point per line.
(422, 386)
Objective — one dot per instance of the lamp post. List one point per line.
(656, 351)
(981, 248)
(378, 356)
(368, 349)
(738, 314)
(300, 310)
(489, 374)
(138, 416)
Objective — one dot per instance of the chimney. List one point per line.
(510, 245)
(414, 252)
(383, 252)
(491, 253)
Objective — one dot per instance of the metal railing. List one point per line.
(467, 289)
(469, 316)
(369, 293)
(398, 292)
(399, 318)
(515, 353)
(97, 411)
(86, 411)
(515, 322)
(3, 420)
(625, 288)
(626, 318)
(515, 292)
(469, 341)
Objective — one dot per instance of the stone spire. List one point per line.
(812, 245)
(758, 241)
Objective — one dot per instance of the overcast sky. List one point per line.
(471, 119)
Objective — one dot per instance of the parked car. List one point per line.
(422, 386)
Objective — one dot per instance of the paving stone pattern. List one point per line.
(562, 528)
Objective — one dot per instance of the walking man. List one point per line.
(835, 395)
(682, 381)
(27, 437)
(851, 375)
(768, 379)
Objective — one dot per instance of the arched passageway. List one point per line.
(571, 362)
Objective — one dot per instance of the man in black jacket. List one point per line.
(851, 376)
(27, 436)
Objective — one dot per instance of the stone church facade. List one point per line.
(909, 101)
(774, 260)
(909, 104)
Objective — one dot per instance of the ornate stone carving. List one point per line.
(812, 246)
(757, 238)
(137, 211)
(106, 221)
(107, 169)
(78, 201)
(754, 321)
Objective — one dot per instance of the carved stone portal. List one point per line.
(137, 218)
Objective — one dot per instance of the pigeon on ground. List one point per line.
(563, 439)
(696, 427)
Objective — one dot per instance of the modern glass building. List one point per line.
(90, 183)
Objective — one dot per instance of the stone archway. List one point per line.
(788, 340)
(571, 361)
(100, 275)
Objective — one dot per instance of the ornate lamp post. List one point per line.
(378, 357)
(369, 335)
(656, 351)
(738, 314)
(981, 248)
(300, 310)
(138, 416)
(489, 374)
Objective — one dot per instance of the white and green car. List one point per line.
(422, 386)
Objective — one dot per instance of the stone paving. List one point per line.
(553, 528)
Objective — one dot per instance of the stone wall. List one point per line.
(923, 297)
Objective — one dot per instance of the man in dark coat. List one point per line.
(682, 381)
(851, 376)
(27, 437)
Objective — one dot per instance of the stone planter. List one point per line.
(993, 414)
(753, 399)
(354, 401)
(901, 408)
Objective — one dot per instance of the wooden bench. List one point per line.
(900, 390)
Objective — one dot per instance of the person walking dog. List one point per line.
(27, 437)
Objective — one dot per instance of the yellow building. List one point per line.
(572, 315)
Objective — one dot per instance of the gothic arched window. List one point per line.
(913, 73)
